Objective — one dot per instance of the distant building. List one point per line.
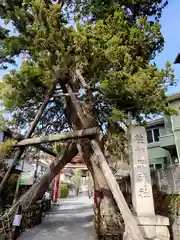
(163, 136)
(66, 175)
(27, 165)
(33, 168)
(78, 162)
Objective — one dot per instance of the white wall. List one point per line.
(66, 178)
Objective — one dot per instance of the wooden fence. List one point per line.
(30, 217)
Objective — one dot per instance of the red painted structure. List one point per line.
(77, 165)
(76, 162)
(56, 188)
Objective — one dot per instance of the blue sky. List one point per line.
(171, 31)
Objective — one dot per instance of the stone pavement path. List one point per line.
(71, 220)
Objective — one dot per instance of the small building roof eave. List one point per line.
(177, 59)
(173, 97)
(155, 122)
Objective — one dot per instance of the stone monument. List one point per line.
(151, 225)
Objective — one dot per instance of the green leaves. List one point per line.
(96, 9)
(123, 53)
(58, 148)
(114, 51)
(6, 147)
(22, 85)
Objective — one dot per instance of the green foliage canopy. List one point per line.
(114, 51)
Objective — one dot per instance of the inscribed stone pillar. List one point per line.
(142, 196)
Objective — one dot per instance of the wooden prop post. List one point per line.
(17, 188)
(19, 152)
(130, 222)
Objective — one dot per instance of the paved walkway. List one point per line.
(71, 220)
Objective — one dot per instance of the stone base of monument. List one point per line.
(154, 227)
(176, 227)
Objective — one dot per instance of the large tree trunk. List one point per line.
(108, 220)
(109, 225)
(38, 189)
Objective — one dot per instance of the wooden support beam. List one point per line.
(130, 222)
(20, 151)
(20, 137)
(58, 137)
